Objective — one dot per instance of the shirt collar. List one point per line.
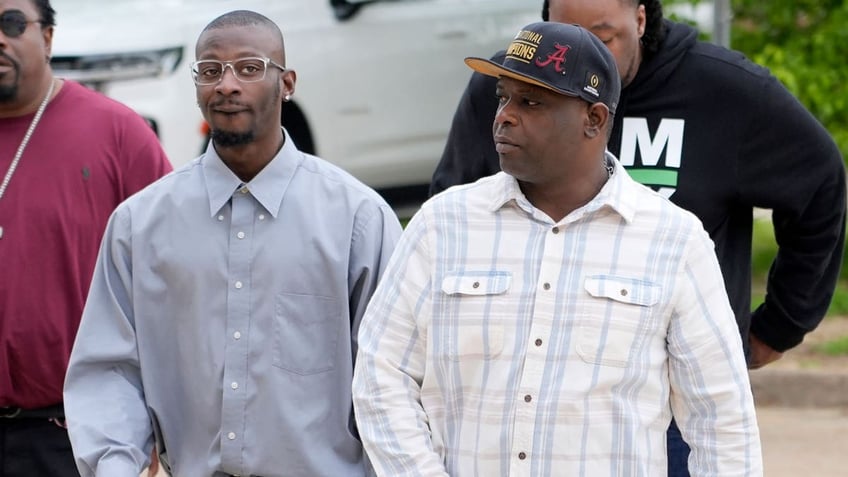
(268, 187)
(617, 194)
(620, 192)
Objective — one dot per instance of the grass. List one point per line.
(837, 347)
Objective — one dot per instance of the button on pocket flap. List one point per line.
(476, 283)
(623, 289)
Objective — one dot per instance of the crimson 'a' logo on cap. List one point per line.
(557, 57)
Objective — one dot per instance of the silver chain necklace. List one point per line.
(24, 143)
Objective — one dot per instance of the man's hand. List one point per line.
(153, 470)
(761, 353)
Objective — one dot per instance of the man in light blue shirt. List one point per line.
(222, 318)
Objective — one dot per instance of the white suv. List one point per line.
(378, 80)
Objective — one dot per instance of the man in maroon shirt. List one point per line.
(68, 156)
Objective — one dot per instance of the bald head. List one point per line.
(247, 18)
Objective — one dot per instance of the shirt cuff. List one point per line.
(117, 466)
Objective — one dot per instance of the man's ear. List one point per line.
(47, 36)
(597, 116)
(288, 79)
(641, 21)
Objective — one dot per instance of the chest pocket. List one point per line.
(306, 333)
(476, 283)
(619, 311)
(467, 328)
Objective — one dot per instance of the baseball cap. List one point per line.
(567, 59)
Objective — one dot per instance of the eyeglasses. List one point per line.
(246, 70)
(13, 23)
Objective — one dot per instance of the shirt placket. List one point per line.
(234, 400)
(535, 361)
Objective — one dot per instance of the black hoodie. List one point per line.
(718, 135)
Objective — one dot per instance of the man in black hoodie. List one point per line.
(718, 135)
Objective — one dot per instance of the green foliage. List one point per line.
(764, 247)
(684, 16)
(805, 44)
(839, 304)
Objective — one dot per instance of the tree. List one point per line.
(805, 44)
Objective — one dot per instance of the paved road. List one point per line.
(804, 442)
(801, 442)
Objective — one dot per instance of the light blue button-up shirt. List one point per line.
(222, 320)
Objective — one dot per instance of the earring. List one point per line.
(287, 98)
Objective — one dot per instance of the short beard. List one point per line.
(8, 93)
(231, 139)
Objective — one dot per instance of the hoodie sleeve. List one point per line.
(790, 164)
(470, 149)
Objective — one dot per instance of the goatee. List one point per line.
(231, 139)
(8, 93)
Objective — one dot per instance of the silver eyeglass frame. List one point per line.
(195, 73)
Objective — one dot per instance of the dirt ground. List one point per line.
(803, 442)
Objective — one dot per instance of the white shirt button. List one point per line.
(234, 385)
(237, 335)
(240, 235)
(220, 218)
(261, 216)
(243, 190)
(239, 285)
(231, 436)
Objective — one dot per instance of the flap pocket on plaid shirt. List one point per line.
(469, 332)
(477, 283)
(622, 289)
(610, 324)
